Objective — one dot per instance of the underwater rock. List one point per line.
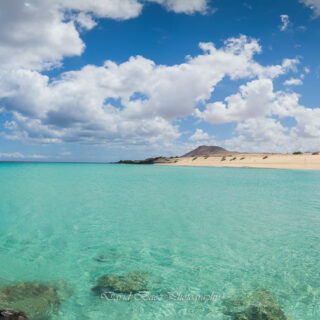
(12, 315)
(133, 282)
(36, 300)
(108, 256)
(255, 305)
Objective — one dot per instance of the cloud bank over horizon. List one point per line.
(139, 102)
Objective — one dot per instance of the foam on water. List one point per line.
(218, 232)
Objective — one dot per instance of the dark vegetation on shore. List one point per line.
(147, 161)
(202, 151)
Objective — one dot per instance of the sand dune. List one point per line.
(305, 161)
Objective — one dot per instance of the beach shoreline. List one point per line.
(305, 161)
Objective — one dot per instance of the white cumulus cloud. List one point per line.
(184, 6)
(81, 105)
(293, 82)
(259, 135)
(258, 111)
(251, 102)
(199, 135)
(38, 34)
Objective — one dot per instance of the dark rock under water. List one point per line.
(12, 315)
(255, 305)
(108, 256)
(36, 300)
(130, 283)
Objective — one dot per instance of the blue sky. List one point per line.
(113, 79)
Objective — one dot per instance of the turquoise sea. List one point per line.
(202, 235)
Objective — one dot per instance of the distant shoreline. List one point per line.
(55, 162)
(306, 161)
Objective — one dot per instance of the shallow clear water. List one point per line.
(197, 231)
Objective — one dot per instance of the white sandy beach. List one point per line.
(305, 161)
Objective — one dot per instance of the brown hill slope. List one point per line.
(204, 151)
